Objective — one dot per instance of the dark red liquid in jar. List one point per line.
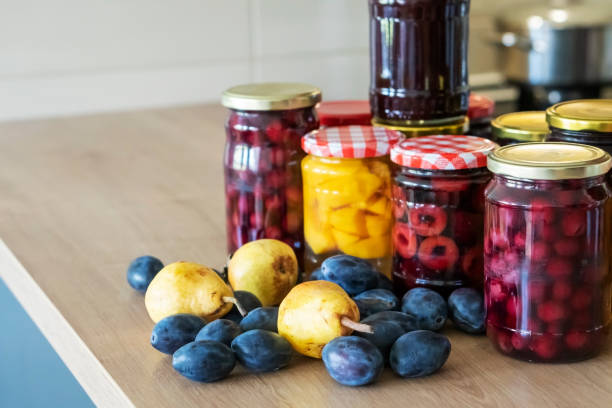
(597, 139)
(547, 267)
(438, 228)
(418, 59)
(263, 181)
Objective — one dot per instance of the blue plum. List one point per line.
(221, 330)
(353, 360)
(407, 322)
(419, 353)
(204, 361)
(263, 318)
(353, 274)
(174, 331)
(385, 334)
(142, 270)
(262, 350)
(467, 310)
(247, 300)
(427, 307)
(374, 301)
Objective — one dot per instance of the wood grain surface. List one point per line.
(81, 197)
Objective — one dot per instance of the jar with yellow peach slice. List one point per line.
(347, 194)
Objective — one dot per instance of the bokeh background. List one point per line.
(62, 57)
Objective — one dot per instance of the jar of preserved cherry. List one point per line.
(344, 113)
(418, 60)
(453, 126)
(438, 196)
(347, 194)
(587, 121)
(480, 112)
(263, 182)
(520, 127)
(547, 251)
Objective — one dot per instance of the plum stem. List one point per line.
(360, 327)
(231, 299)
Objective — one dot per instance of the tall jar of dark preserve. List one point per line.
(548, 241)
(438, 208)
(263, 181)
(418, 60)
(587, 121)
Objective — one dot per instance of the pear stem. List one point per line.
(360, 327)
(231, 299)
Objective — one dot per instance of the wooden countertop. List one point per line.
(81, 197)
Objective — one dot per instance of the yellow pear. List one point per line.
(316, 312)
(186, 287)
(267, 268)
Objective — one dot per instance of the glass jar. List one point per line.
(418, 60)
(547, 251)
(480, 112)
(347, 193)
(454, 127)
(520, 127)
(263, 182)
(587, 121)
(344, 113)
(438, 196)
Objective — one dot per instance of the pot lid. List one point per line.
(556, 14)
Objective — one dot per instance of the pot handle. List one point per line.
(510, 40)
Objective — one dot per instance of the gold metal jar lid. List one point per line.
(527, 126)
(456, 127)
(271, 96)
(549, 161)
(583, 114)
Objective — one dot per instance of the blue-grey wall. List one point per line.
(31, 373)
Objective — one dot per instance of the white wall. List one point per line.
(61, 57)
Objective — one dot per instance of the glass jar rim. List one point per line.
(582, 115)
(549, 161)
(270, 96)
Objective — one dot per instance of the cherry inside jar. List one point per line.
(438, 214)
(547, 258)
(263, 182)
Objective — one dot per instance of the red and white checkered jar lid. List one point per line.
(355, 142)
(443, 152)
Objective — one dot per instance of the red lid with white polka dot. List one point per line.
(443, 152)
(356, 142)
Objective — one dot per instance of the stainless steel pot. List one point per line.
(557, 42)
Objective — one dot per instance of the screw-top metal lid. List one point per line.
(271, 96)
(580, 115)
(458, 127)
(549, 161)
(527, 126)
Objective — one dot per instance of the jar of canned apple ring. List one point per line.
(438, 208)
(263, 181)
(519, 127)
(548, 240)
(347, 194)
(587, 121)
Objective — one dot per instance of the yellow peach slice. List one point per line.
(379, 204)
(377, 225)
(319, 239)
(350, 220)
(344, 240)
(369, 248)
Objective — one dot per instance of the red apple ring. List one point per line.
(438, 253)
(428, 220)
(404, 240)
